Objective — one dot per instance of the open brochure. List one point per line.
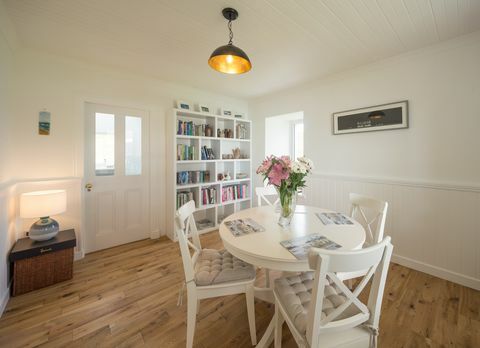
(300, 246)
(241, 227)
(334, 218)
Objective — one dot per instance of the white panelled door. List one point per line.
(116, 176)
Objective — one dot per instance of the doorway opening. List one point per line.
(284, 135)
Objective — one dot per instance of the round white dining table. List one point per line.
(263, 249)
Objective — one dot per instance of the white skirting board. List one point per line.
(4, 300)
(437, 272)
(435, 227)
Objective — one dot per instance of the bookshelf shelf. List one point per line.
(181, 144)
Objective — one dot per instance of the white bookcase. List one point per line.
(237, 168)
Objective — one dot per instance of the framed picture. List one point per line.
(239, 115)
(44, 123)
(204, 108)
(183, 105)
(373, 118)
(226, 112)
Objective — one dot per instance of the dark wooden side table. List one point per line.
(40, 264)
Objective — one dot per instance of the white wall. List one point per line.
(6, 79)
(62, 86)
(430, 173)
(7, 203)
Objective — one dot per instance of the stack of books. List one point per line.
(189, 128)
(209, 195)
(207, 153)
(233, 192)
(192, 177)
(184, 197)
(186, 152)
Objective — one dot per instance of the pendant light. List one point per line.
(230, 59)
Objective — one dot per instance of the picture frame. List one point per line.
(239, 115)
(183, 105)
(226, 112)
(44, 121)
(373, 118)
(204, 108)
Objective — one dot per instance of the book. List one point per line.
(300, 246)
(334, 218)
(241, 227)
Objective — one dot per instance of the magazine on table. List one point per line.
(334, 219)
(300, 246)
(241, 227)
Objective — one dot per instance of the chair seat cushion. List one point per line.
(294, 294)
(219, 266)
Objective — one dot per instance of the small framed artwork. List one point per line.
(239, 115)
(204, 108)
(183, 105)
(44, 123)
(226, 112)
(373, 118)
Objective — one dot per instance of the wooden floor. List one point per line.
(127, 297)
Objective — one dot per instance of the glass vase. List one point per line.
(287, 203)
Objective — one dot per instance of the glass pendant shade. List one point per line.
(230, 59)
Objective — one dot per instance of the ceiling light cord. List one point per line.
(230, 42)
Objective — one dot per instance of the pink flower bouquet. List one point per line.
(288, 177)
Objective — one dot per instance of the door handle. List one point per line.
(89, 187)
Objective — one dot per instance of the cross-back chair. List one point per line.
(321, 311)
(210, 273)
(371, 213)
(263, 193)
(361, 206)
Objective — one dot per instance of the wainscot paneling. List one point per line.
(435, 227)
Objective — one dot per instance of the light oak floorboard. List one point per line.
(127, 297)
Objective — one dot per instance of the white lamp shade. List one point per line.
(43, 203)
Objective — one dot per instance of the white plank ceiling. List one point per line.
(289, 42)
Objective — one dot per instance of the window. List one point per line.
(133, 145)
(104, 144)
(297, 139)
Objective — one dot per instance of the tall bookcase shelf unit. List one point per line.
(195, 158)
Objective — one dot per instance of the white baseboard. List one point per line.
(155, 234)
(437, 272)
(78, 255)
(4, 300)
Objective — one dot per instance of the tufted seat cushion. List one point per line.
(295, 292)
(219, 266)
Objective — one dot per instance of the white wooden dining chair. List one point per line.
(210, 273)
(371, 214)
(263, 193)
(321, 311)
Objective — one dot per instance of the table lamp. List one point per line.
(43, 204)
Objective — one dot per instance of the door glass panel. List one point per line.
(104, 144)
(133, 145)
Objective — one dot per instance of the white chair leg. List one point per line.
(191, 315)
(250, 297)
(278, 327)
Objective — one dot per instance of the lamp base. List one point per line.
(44, 229)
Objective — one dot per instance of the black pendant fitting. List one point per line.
(230, 13)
